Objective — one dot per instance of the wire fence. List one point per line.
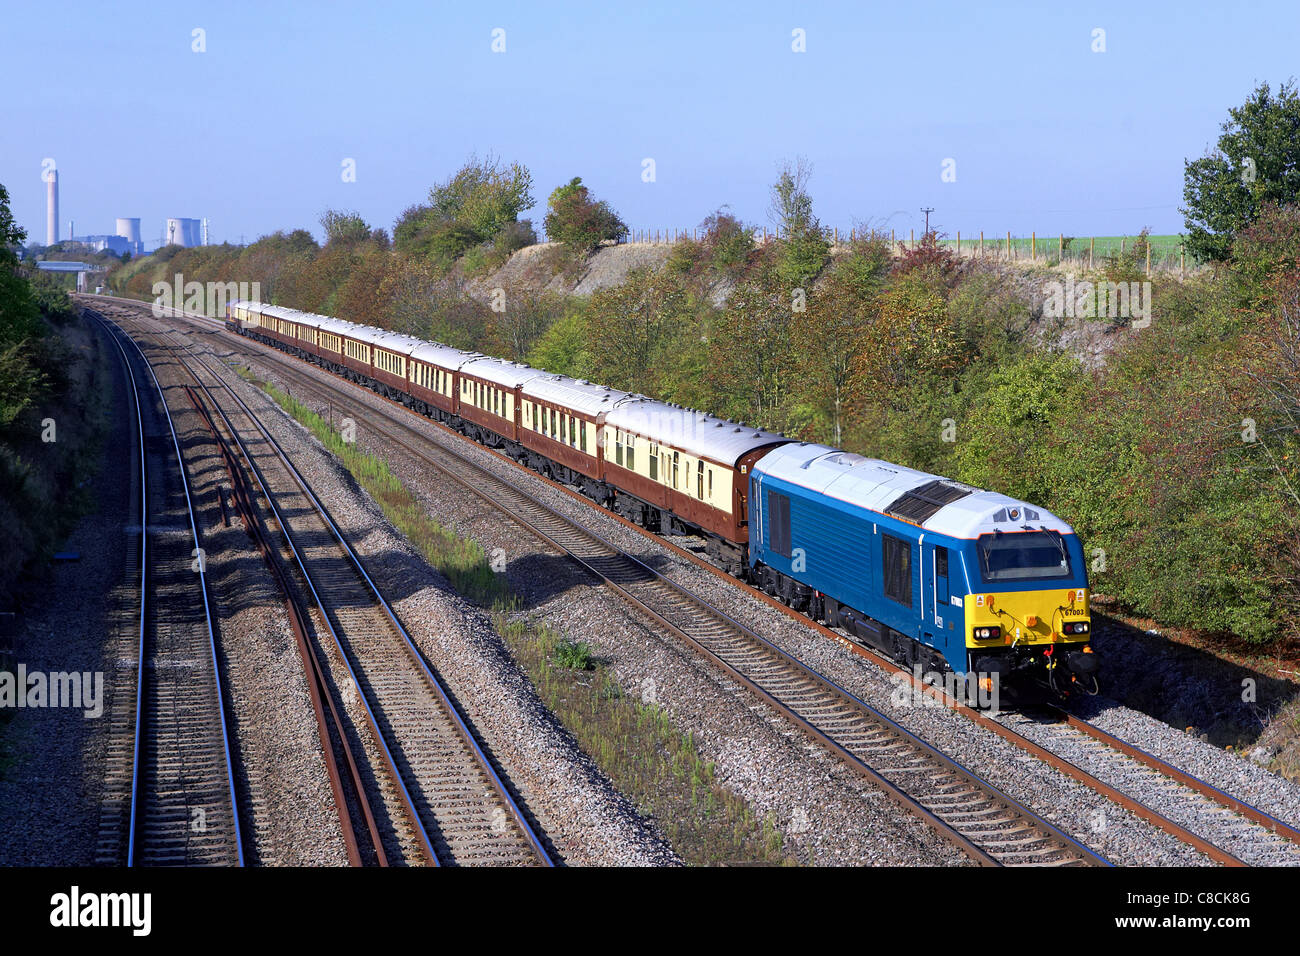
(1162, 253)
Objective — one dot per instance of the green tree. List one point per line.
(343, 228)
(479, 204)
(804, 249)
(1257, 161)
(578, 221)
(632, 330)
(563, 347)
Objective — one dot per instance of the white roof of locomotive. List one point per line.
(691, 431)
(875, 485)
(584, 397)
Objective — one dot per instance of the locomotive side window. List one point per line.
(897, 560)
(778, 523)
(941, 575)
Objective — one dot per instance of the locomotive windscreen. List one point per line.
(1023, 555)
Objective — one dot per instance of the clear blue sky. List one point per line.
(1046, 135)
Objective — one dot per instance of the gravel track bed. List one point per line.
(1089, 817)
(1248, 841)
(586, 820)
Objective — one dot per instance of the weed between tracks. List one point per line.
(634, 742)
(639, 748)
(461, 560)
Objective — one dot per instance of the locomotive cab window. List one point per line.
(1023, 555)
(897, 560)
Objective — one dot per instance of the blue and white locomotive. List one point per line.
(928, 570)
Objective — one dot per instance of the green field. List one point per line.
(1165, 250)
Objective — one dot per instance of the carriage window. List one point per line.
(676, 457)
(631, 452)
(654, 462)
(573, 431)
(710, 482)
(699, 480)
(555, 422)
(582, 435)
(618, 447)
(778, 523)
(897, 559)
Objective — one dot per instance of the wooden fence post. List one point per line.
(981, 254)
(1148, 259)
(1033, 246)
(913, 240)
(1008, 245)
(1092, 245)
(1060, 247)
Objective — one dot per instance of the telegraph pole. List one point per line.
(927, 210)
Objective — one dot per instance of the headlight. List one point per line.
(1076, 627)
(987, 633)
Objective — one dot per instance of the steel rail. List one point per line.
(208, 620)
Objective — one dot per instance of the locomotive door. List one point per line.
(939, 596)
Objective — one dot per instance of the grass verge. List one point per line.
(634, 742)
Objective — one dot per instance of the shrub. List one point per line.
(580, 222)
(575, 655)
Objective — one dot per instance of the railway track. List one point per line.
(990, 826)
(170, 788)
(447, 800)
(1239, 830)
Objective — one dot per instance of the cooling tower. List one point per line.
(174, 233)
(129, 229)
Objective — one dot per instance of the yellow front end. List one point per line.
(1026, 618)
(1042, 634)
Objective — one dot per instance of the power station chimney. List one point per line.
(52, 208)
